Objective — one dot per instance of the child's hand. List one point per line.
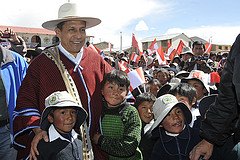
(95, 138)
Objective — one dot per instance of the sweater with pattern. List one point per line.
(121, 130)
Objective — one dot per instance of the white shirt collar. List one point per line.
(53, 134)
(69, 55)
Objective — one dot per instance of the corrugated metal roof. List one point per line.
(162, 37)
(28, 30)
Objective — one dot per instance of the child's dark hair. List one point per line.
(184, 89)
(117, 76)
(144, 97)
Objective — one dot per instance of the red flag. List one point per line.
(181, 45)
(160, 55)
(123, 66)
(134, 41)
(169, 49)
(153, 47)
(173, 54)
(208, 47)
(135, 57)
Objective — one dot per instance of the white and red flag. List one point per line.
(123, 66)
(135, 57)
(208, 47)
(153, 47)
(181, 45)
(135, 44)
(136, 78)
(110, 47)
(160, 56)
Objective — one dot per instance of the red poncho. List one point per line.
(43, 78)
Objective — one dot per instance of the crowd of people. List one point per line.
(71, 103)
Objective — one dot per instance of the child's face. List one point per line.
(145, 111)
(114, 94)
(174, 121)
(64, 119)
(162, 77)
(199, 88)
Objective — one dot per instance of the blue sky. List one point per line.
(217, 20)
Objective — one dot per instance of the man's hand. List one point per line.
(39, 134)
(201, 62)
(203, 148)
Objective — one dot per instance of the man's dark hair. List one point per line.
(60, 25)
(184, 89)
(117, 76)
(149, 97)
(197, 43)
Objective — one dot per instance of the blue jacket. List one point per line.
(13, 70)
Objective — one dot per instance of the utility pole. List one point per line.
(120, 41)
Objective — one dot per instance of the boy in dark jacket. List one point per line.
(61, 115)
(120, 123)
(176, 137)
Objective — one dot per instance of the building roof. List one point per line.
(28, 30)
(195, 38)
(162, 37)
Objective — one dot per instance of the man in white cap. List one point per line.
(68, 66)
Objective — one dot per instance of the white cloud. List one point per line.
(141, 26)
(218, 34)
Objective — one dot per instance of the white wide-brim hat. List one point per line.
(70, 12)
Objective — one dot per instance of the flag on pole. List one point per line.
(136, 78)
(96, 50)
(123, 66)
(208, 47)
(135, 57)
(160, 56)
(153, 47)
(169, 49)
(135, 44)
(181, 45)
(172, 55)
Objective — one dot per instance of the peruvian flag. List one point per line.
(170, 49)
(208, 47)
(135, 44)
(160, 56)
(123, 66)
(153, 47)
(181, 45)
(172, 55)
(135, 57)
(136, 78)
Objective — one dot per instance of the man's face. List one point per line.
(198, 50)
(72, 36)
(186, 56)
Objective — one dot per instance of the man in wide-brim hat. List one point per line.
(81, 67)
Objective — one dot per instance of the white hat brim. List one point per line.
(90, 22)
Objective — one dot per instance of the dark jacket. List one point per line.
(217, 126)
(174, 148)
